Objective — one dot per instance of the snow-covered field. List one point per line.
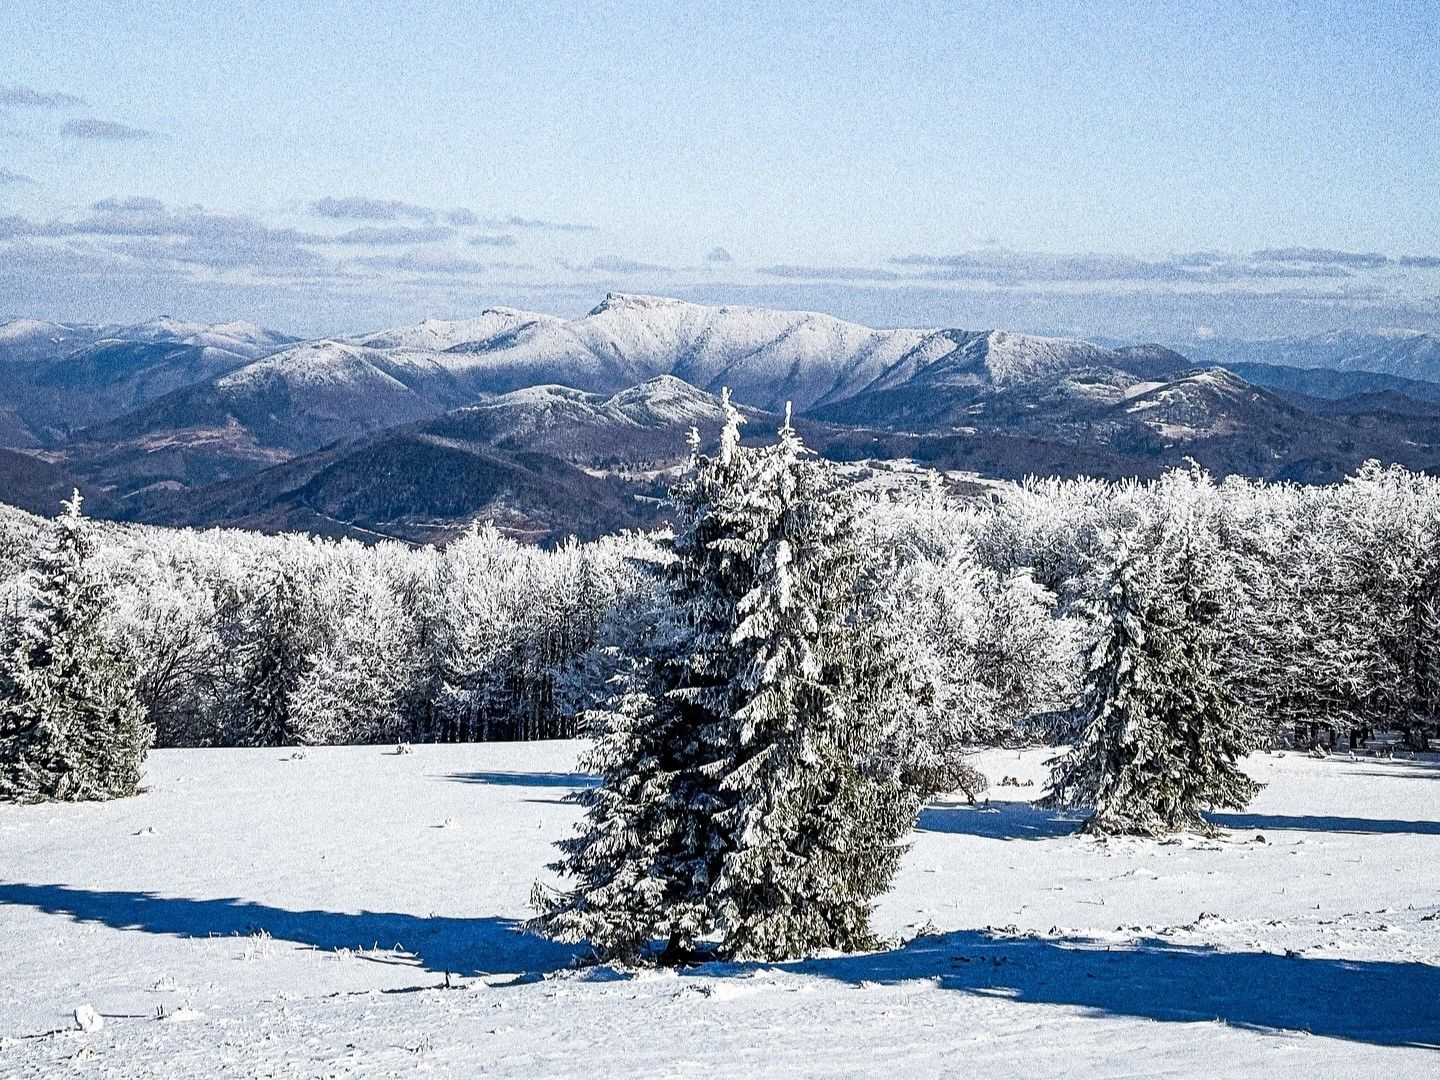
(258, 915)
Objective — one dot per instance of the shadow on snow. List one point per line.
(1022, 821)
(1324, 823)
(478, 946)
(999, 821)
(1389, 1003)
(527, 779)
(1385, 1003)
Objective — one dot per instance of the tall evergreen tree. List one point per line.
(276, 657)
(1163, 730)
(742, 793)
(813, 815)
(71, 725)
(644, 861)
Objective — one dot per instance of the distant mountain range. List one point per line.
(552, 426)
(1407, 353)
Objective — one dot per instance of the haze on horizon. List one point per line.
(1083, 169)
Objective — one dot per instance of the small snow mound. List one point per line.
(87, 1019)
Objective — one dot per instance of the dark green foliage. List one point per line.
(743, 806)
(1163, 728)
(71, 725)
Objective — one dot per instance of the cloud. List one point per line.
(461, 216)
(830, 273)
(395, 234)
(613, 264)
(1000, 266)
(89, 127)
(1356, 259)
(719, 255)
(40, 99)
(516, 222)
(9, 178)
(438, 260)
(146, 229)
(1424, 262)
(360, 208)
(491, 240)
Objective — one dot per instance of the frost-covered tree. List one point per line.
(1163, 730)
(354, 689)
(813, 816)
(642, 866)
(71, 726)
(744, 794)
(275, 656)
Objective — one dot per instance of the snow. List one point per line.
(327, 363)
(257, 914)
(21, 330)
(437, 335)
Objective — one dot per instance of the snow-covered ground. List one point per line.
(258, 915)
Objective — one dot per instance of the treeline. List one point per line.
(1330, 625)
(239, 639)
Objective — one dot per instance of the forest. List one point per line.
(1329, 627)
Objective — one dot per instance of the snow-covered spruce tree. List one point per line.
(276, 656)
(1163, 731)
(642, 866)
(71, 725)
(353, 690)
(812, 819)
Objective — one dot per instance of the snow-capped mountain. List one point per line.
(56, 378)
(1408, 353)
(544, 461)
(765, 357)
(403, 420)
(308, 395)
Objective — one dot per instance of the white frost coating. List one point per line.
(437, 335)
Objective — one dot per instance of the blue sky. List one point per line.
(1124, 170)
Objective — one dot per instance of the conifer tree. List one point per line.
(1163, 730)
(813, 816)
(743, 796)
(643, 863)
(71, 726)
(275, 660)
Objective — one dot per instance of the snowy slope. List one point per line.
(1409, 353)
(438, 335)
(56, 379)
(299, 918)
(766, 357)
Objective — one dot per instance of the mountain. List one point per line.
(289, 403)
(1146, 407)
(1329, 384)
(39, 486)
(55, 379)
(999, 380)
(542, 462)
(309, 395)
(553, 426)
(441, 335)
(1408, 353)
(765, 357)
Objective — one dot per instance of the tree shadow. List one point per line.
(999, 821)
(527, 779)
(1389, 1003)
(1407, 771)
(462, 946)
(1323, 823)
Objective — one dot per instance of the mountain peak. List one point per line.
(23, 329)
(623, 301)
